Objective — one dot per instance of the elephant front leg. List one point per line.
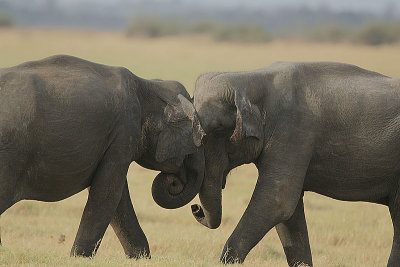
(294, 238)
(282, 167)
(271, 204)
(104, 196)
(128, 230)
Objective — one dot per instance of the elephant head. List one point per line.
(234, 128)
(172, 137)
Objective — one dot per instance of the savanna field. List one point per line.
(41, 234)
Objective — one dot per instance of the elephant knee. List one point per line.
(284, 209)
(285, 214)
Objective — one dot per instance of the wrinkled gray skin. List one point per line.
(330, 128)
(67, 124)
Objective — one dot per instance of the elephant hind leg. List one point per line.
(104, 196)
(394, 208)
(128, 230)
(4, 205)
(7, 193)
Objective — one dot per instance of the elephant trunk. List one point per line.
(211, 199)
(172, 191)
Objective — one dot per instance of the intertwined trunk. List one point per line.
(173, 191)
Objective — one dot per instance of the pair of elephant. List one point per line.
(68, 124)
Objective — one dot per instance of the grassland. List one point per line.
(41, 234)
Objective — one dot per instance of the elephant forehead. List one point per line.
(213, 115)
(208, 92)
(209, 107)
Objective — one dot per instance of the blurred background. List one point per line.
(179, 40)
(370, 22)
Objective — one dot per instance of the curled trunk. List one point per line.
(172, 191)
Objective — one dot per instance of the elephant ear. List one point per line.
(248, 118)
(190, 111)
(180, 137)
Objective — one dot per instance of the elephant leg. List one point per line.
(294, 238)
(282, 167)
(270, 204)
(4, 205)
(7, 190)
(394, 208)
(128, 230)
(104, 196)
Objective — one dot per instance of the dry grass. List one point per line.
(41, 234)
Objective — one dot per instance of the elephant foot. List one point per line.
(296, 256)
(139, 253)
(87, 251)
(231, 256)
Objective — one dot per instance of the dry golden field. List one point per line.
(41, 234)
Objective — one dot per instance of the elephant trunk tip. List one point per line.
(199, 215)
(197, 211)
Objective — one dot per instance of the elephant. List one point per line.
(67, 124)
(326, 127)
